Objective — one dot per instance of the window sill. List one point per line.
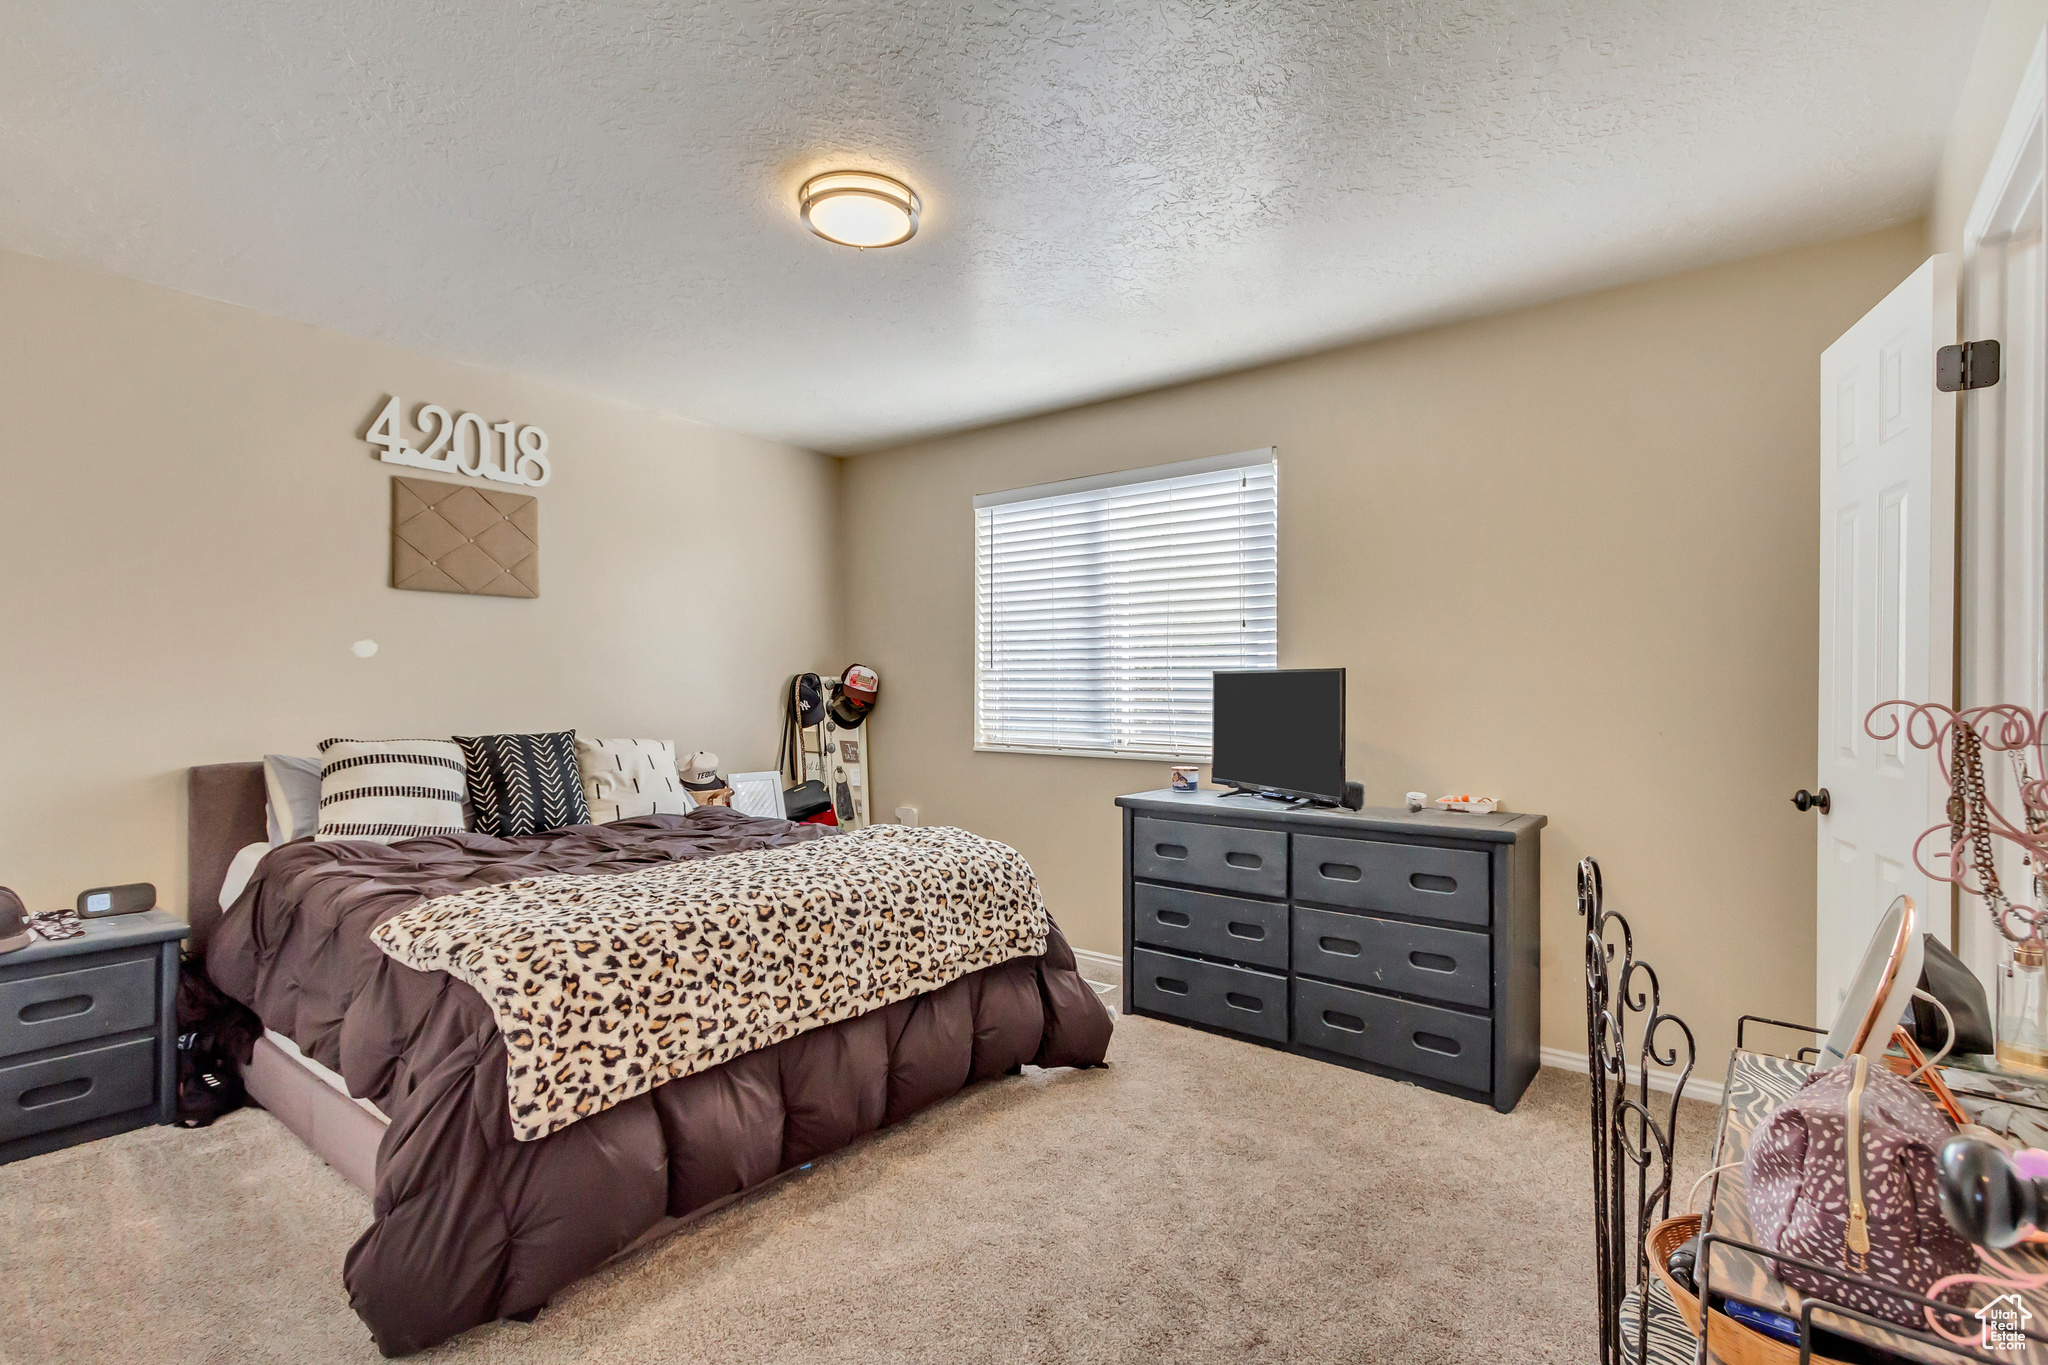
(1091, 753)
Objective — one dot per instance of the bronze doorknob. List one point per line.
(1807, 800)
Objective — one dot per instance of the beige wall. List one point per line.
(192, 533)
(1569, 555)
(2006, 42)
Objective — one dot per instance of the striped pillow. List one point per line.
(524, 784)
(384, 790)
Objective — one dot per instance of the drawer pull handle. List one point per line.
(1430, 881)
(1350, 1023)
(1433, 962)
(55, 1093)
(1239, 1001)
(1339, 872)
(55, 1009)
(1254, 932)
(1436, 1042)
(1342, 946)
(1170, 986)
(1170, 850)
(1173, 917)
(1251, 861)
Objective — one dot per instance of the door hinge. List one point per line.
(1972, 365)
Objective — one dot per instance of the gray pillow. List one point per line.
(292, 786)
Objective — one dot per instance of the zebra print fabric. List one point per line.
(523, 784)
(385, 790)
(1671, 1341)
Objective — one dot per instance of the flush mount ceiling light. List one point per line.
(859, 208)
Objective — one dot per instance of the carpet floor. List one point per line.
(1199, 1200)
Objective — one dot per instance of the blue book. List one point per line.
(1776, 1326)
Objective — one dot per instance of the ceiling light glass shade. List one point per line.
(859, 208)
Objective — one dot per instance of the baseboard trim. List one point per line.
(1086, 959)
(1698, 1087)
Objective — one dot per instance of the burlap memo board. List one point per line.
(457, 537)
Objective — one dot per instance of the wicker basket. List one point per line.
(1733, 1343)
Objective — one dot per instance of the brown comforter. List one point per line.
(471, 1225)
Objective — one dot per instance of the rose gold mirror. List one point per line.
(1883, 988)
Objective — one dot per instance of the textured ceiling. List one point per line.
(1117, 195)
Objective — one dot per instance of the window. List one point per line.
(1103, 604)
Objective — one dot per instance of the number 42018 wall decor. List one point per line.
(503, 452)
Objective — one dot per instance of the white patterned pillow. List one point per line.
(623, 778)
(384, 790)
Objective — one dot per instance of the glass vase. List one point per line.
(2023, 1006)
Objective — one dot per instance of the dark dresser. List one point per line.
(1402, 944)
(88, 1034)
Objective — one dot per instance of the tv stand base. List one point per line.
(1291, 802)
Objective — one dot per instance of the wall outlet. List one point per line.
(906, 815)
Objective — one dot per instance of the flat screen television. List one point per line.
(1280, 731)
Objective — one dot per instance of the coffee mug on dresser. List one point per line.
(1186, 778)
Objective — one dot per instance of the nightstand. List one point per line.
(89, 1034)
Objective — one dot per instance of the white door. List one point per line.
(2004, 626)
(1887, 579)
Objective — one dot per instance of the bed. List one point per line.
(397, 1077)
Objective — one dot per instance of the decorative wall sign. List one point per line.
(503, 452)
(457, 537)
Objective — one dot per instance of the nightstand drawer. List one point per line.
(90, 1083)
(71, 1006)
(1401, 1034)
(1251, 862)
(1212, 925)
(1402, 879)
(1394, 955)
(1234, 998)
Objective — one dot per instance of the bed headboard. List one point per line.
(225, 815)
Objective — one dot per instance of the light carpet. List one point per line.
(1200, 1200)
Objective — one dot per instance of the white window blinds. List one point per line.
(1102, 605)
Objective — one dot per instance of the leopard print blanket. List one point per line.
(604, 987)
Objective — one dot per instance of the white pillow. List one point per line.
(291, 787)
(239, 872)
(384, 790)
(623, 778)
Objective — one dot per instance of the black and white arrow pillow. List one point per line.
(524, 784)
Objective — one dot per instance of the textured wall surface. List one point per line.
(601, 195)
(192, 535)
(1596, 600)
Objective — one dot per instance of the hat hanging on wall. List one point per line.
(807, 699)
(853, 696)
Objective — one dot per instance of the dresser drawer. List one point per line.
(1252, 862)
(1394, 955)
(1235, 998)
(1402, 879)
(70, 1006)
(1422, 1039)
(87, 1083)
(1214, 926)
